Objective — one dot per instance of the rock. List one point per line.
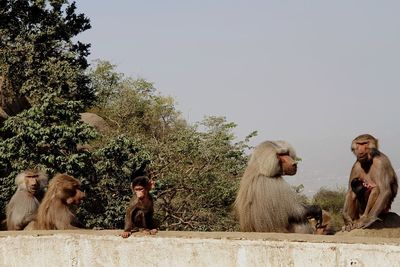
(96, 121)
(11, 103)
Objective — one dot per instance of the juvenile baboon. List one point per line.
(359, 187)
(265, 201)
(326, 227)
(372, 184)
(23, 206)
(54, 212)
(139, 214)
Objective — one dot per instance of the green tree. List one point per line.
(105, 80)
(40, 61)
(198, 174)
(109, 190)
(196, 167)
(330, 200)
(38, 54)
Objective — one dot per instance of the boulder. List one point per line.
(95, 121)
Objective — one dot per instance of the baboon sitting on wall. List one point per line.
(139, 214)
(265, 201)
(372, 186)
(23, 206)
(54, 212)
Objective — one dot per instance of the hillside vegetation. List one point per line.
(45, 86)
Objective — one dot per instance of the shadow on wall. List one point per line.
(388, 220)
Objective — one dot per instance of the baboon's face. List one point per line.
(289, 165)
(32, 182)
(140, 191)
(74, 196)
(364, 147)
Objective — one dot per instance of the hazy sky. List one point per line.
(315, 73)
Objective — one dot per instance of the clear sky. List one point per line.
(314, 73)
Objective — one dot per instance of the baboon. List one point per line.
(265, 201)
(362, 191)
(139, 214)
(23, 206)
(54, 212)
(326, 227)
(372, 184)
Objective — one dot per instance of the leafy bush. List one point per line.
(198, 177)
(40, 62)
(108, 191)
(196, 167)
(330, 200)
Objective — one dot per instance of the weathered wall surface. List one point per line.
(106, 248)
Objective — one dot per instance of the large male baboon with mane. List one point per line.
(265, 201)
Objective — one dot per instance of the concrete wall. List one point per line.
(106, 248)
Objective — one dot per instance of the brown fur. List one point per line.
(372, 186)
(23, 206)
(139, 213)
(54, 212)
(326, 227)
(265, 201)
(374, 143)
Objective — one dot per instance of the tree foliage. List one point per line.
(38, 55)
(108, 191)
(196, 167)
(198, 177)
(330, 200)
(40, 62)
